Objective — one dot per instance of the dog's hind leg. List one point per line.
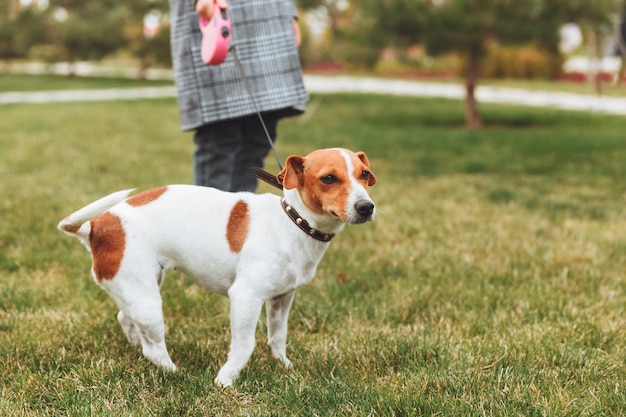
(147, 318)
(277, 312)
(153, 346)
(130, 329)
(141, 315)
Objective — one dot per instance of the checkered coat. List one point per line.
(265, 44)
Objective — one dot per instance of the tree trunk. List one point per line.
(472, 115)
(621, 46)
(144, 64)
(6, 67)
(71, 68)
(596, 49)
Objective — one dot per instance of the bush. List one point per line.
(47, 53)
(528, 62)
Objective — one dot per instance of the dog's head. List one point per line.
(332, 182)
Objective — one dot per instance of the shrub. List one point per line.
(528, 61)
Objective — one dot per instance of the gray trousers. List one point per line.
(226, 152)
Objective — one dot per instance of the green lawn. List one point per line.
(24, 82)
(608, 89)
(492, 281)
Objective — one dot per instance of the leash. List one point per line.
(256, 107)
(271, 178)
(214, 48)
(265, 176)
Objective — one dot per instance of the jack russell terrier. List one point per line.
(255, 249)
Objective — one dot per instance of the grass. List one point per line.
(24, 82)
(491, 283)
(608, 89)
(588, 88)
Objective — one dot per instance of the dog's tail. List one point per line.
(76, 223)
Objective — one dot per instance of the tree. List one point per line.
(88, 30)
(8, 24)
(620, 45)
(339, 44)
(358, 30)
(387, 23)
(597, 22)
(466, 27)
(20, 29)
(148, 47)
(397, 23)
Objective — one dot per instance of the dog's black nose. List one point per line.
(364, 208)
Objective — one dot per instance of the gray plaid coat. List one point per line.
(264, 42)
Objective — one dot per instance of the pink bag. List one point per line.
(216, 35)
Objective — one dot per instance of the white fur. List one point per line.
(185, 228)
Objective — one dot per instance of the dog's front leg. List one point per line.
(245, 309)
(277, 312)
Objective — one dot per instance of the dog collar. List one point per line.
(291, 212)
(304, 225)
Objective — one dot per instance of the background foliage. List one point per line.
(356, 35)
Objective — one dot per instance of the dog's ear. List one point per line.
(290, 176)
(372, 179)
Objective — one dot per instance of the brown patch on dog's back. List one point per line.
(146, 197)
(107, 240)
(237, 227)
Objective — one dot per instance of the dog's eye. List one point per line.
(365, 175)
(329, 179)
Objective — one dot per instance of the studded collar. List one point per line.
(291, 212)
(303, 224)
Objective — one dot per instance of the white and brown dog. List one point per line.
(242, 245)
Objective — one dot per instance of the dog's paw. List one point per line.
(281, 356)
(286, 362)
(223, 382)
(164, 363)
(168, 366)
(158, 356)
(225, 377)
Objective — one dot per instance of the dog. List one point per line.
(254, 248)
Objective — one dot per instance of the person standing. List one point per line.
(213, 101)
